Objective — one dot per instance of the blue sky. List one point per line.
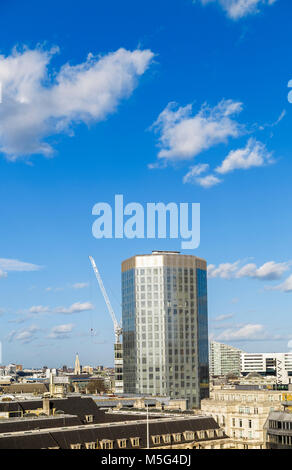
(159, 101)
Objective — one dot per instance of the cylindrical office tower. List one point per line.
(165, 326)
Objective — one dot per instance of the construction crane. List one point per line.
(118, 346)
(117, 328)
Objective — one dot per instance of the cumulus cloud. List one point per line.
(61, 331)
(24, 335)
(193, 176)
(255, 154)
(7, 265)
(39, 309)
(38, 104)
(286, 286)
(236, 9)
(208, 181)
(195, 171)
(223, 317)
(77, 286)
(77, 307)
(269, 271)
(182, 135)
(246, 332)
(223, 271)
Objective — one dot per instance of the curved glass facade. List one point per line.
(165, 327)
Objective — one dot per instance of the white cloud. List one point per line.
(182, 135)
(236, 9)
(208, 181)
(269, 271)
(193, 176)
(223, 317)
(223, 271)
(80, 285)
(7, 265)
(75, 308)
(25, 335)
(39, 309)
(195, 171)
(286, 286)
(16, 265)
(255, 154)
(61, 331)
(38, 104)
(246, 332)
(77, 286)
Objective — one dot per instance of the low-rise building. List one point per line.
(242, 413)
(77, 423)
(279, 430)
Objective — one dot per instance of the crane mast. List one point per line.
(118, 347)
(117, 328)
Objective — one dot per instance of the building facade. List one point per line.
(277, 364)
(165, 326)
(242, 413)
(224, 359)
(279, 430)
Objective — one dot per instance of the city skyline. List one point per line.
(195, 117)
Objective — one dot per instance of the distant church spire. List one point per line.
(77, 370)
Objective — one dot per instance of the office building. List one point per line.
(242, 413)
(224, 359)
(274, 364)
(165, 326)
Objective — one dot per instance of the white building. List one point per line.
(242, 413)
(224, 359)
(279, 364)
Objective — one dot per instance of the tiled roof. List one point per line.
(63, 438)
(42, 422)
(26, 388)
